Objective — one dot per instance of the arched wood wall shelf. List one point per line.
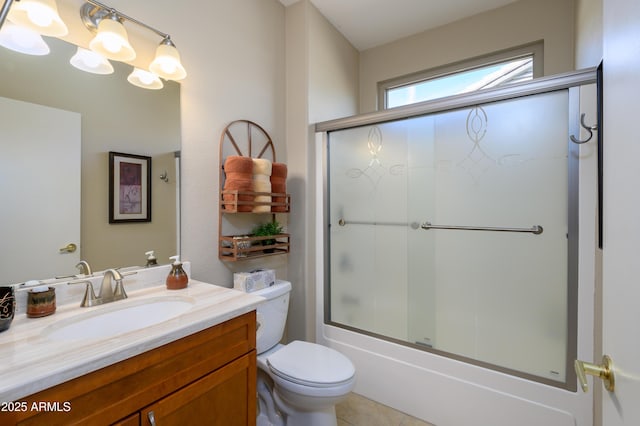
(248, 139)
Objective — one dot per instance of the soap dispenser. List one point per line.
(177, 278)
(151, 258)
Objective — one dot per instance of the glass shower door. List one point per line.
(434, 233)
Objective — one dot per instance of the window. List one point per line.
(515, 65)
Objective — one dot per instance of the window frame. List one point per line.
(535, 49)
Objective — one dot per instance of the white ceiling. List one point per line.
(370, 23)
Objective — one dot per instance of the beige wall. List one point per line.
(513, 25)
(116, 116)
(588, 33)
(333, 71)
(297, 113)
(322, 83)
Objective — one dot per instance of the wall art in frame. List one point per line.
(129, 188)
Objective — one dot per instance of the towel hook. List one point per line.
(589, 129)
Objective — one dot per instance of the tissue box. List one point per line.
(254, 280)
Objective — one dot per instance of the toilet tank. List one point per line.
(272, 315)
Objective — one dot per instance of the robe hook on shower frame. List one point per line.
(589, 129)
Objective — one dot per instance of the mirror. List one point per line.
(114, 116)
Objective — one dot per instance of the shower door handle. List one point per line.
(603, 371)
(535, 229)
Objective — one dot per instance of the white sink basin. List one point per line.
(111, 320)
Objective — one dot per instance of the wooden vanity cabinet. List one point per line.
(208, 378)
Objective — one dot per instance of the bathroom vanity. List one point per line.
(199, 364)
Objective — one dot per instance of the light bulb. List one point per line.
(40, 15)
(169, 67)
(90, 61)
(112, 44)
(111, 41)
(145, 79)
(167, 64)
(22, 39)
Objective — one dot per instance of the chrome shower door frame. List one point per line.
(570, 82)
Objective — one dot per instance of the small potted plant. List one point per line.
(266, 230)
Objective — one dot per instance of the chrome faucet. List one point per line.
(84, 268)
(108, 292)
(89, 298)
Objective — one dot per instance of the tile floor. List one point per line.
(357, 410)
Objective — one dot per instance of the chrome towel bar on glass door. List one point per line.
(536, 229)
(342, 222)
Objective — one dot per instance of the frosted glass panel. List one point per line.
(498, 298)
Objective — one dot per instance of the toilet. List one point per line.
(300, 383)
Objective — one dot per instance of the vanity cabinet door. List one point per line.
(225, 397)
(133, 420)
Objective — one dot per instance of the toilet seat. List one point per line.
(312, 365)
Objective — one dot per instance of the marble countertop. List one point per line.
(31, 362)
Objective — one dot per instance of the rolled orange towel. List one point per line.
(279, 200)
(239, 164)
(278, 181)
(278, 189)
(237, 175)
(279, 170)
(279, 186)
(238, 172)
(243, 185)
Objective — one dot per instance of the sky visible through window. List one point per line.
(495, 75)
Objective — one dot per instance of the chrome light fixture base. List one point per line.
(91, 16)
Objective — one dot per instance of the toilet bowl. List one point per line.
(300, 383)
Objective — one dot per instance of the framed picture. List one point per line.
(129, 188)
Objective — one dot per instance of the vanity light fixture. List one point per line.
(4, 11)
(145, 79)
(98, 17)
(167, 64)
(90, 61)
(39, 15)
(22, 39)
(112, 41)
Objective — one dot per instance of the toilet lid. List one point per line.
(311, 364)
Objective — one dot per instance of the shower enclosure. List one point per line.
(452, 228)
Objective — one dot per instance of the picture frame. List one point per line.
(129, 188)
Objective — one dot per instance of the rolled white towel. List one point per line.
(261, 166)
(261, 183)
